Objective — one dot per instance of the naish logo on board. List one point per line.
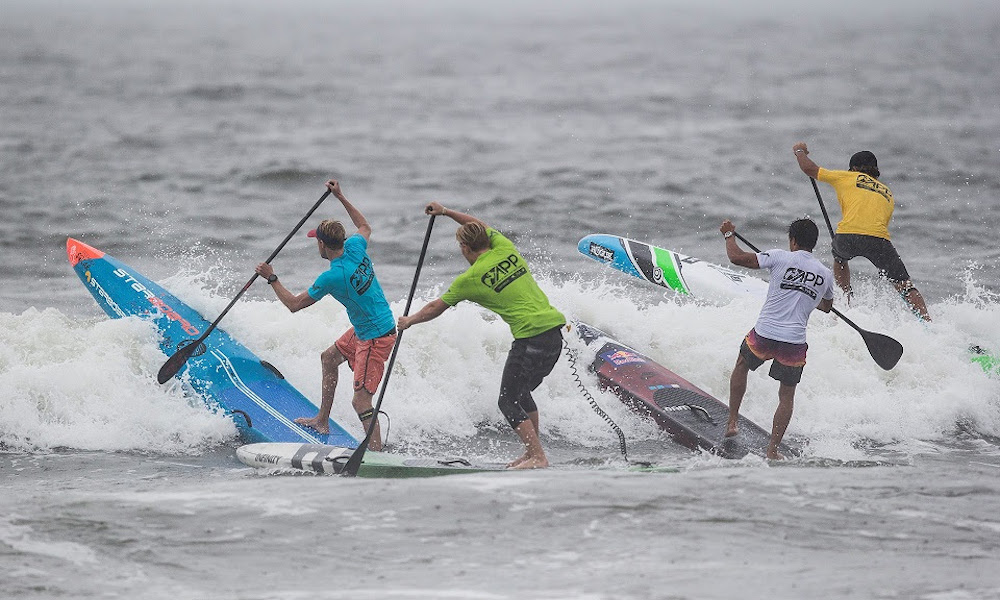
(162, 306)
(733, 275)
(602, 252)
(800, 281)
(504, 273)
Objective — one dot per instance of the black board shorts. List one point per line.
(879, 251)
(529, 361)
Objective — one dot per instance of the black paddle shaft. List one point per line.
(175, 362)
(354, 463)
(822, 207)
(885, 350)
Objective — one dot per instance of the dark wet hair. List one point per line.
(804, 232)
(864, 162)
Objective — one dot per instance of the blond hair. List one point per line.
(474, 236)
(332, 234)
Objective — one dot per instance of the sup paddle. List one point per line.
(822, 207)
(885, 350)
(354, 463)
(175, 362)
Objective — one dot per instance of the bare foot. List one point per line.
(732, 429)
(517, 461)
(773, 455)
(320, 425)
(532, 463)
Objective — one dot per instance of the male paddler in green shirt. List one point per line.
(499, 280)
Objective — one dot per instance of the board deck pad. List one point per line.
(223, 371)
(330, 460)
(693, 417)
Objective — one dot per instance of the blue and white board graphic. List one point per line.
(682, 274)
(256, 395)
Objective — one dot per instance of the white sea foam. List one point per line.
(89, 384)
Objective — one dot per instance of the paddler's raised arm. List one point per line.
(435, 208)
(364, 229)
(807, 165)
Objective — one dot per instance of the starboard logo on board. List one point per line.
(160, 305)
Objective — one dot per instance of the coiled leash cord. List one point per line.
(571, 356)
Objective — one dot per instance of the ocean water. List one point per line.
(187, 139)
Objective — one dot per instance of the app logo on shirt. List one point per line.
(802, 281)
(504, 273)
(871, 184)
(363, 276)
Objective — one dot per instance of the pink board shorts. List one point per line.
(789, 359)
(366, 358)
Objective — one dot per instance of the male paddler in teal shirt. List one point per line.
(499, 280)
(351, 281)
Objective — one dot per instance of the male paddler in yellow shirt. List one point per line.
(499, 279)
(866, 205)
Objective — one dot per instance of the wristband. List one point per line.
(727, 234)
(271, 278)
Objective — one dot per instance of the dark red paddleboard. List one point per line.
(693, 417)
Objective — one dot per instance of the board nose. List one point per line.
(77, 251)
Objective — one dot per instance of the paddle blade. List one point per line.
(175, 363)
(885, 350)
(354, 463)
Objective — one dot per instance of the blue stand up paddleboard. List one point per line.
(257, 396)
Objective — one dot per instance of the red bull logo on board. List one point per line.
(623, 357)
